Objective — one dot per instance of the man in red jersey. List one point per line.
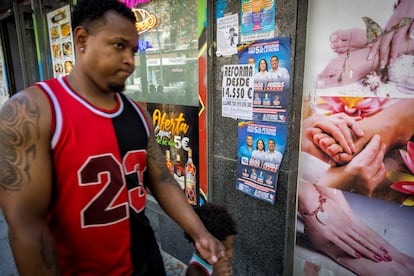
(76, 158)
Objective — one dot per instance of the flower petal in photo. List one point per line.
(352, 106)
(408, 156)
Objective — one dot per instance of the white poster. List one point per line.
(227, 35)
(237, 91)
(61, 41)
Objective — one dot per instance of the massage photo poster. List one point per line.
(366, 202)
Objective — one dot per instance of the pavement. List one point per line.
(173, 266)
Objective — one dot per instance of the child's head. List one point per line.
(219, 223)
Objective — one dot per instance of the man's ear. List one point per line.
(80, 36)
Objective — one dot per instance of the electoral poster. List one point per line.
(271, 60)
(260, 152)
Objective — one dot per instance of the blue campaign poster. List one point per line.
(271, 59)
(260, 152)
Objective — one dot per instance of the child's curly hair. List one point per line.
(217, 220)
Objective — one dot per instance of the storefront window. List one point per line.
(3, 80)
(167, 63)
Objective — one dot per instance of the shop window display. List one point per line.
(3, 81)
(167, 62)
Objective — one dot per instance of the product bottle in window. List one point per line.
(190, 180)
(168, 162)
(179, 172)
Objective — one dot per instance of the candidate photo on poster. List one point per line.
(260, 151)
(271, 60)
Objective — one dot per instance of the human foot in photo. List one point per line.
(346, 68)
(349, 39)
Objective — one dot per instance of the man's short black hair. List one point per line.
(88, 11)
(217, 220)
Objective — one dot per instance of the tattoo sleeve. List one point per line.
(19, 132)
(155, 153)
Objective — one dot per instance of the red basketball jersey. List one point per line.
(99, 165)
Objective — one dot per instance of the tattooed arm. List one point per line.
(171, 198)
(25, 181)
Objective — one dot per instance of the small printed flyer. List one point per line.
(61, 41)
(260, 151)
(257, 20)
(227, 35)
(271, 59)
(237, 91)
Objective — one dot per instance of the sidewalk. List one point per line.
(7, 266)
(173, 266)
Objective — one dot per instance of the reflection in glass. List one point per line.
(3, 81)
(167, 63)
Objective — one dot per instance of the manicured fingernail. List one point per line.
(349, 149)
(370, 56)
(382, 64)
(387, 258)
(411, 35)
(359, 131)
(334, 37)
(353, 148)
(378, 258)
